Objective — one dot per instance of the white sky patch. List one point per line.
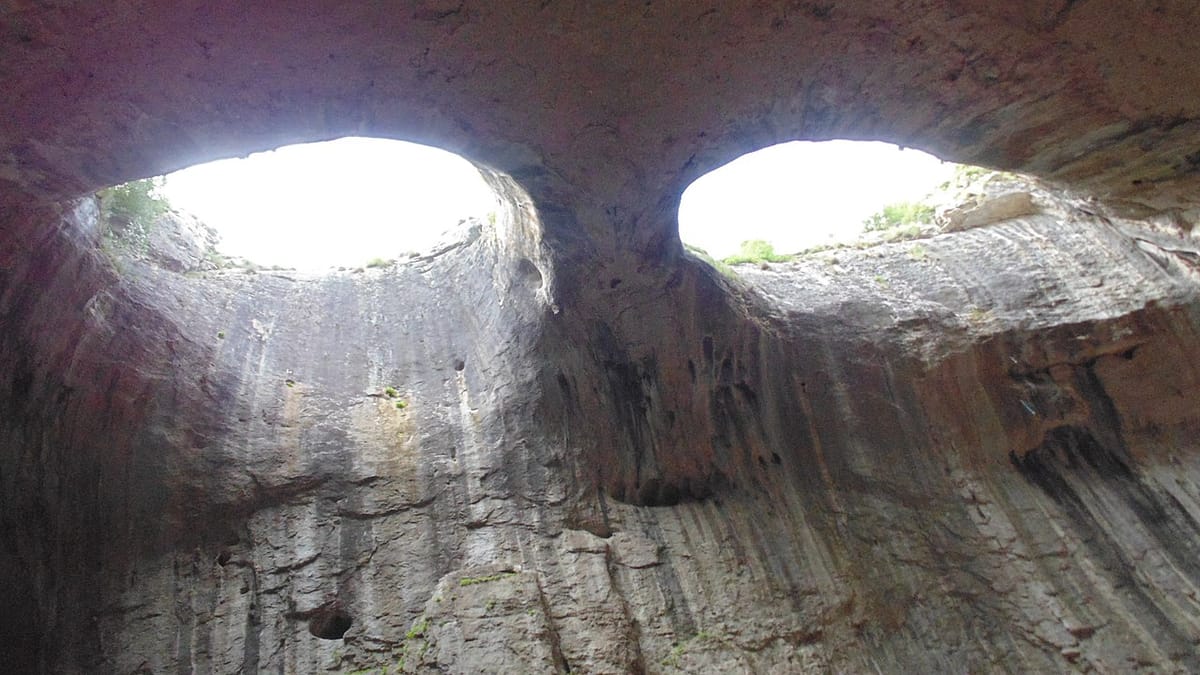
(797, 195)
(337, 203)
(346, 202)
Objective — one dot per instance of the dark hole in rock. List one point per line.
(529, 274)
(223, 558)
(459, 364)
(329, 623)
(655, 492)
(614, 283)
(726, 376)
(776, 458)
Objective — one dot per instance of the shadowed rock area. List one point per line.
(561, 443)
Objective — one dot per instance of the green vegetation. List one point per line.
(918, 253)
(902, 233)
(471, 581)
(672, 659)
(966, 175)
(290, 382)
(418, 628)
(712, 262)
(677, 650)
(137, 203)
(415, 632)
(128, 213)
(220, 335)
(898, 214)
(378, 262)
(757, 251)
(820, 248)
(393, 394)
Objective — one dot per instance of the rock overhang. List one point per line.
(610, 111)
(662, 390)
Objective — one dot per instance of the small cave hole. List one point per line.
(459, 365)
(329, 623)
(529, 275)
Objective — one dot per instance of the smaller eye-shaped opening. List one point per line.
(768, 205)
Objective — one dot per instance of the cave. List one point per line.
(611, 457)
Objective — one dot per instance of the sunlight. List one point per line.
(343, 203)
(802, 194)
(335, 203)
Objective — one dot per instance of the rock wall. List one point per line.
(607, 111)
(974, 451)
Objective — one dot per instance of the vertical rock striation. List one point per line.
(974, 451)
(562, 444)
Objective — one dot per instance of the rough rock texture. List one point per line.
(966, 452)
(605, 111)
(562, 443)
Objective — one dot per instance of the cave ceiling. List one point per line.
(606, 111)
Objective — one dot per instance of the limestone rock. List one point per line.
(991, 209)
(973, 452)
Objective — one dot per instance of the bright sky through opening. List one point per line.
(801, 194)
(337, 203)
(346, 202)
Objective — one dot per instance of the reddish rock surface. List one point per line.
(973, 455)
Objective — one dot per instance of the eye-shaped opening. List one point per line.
(352, 202)
(797, 196)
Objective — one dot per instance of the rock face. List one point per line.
(971, 451)
(562, 443)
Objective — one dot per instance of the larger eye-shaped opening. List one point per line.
(348, 203)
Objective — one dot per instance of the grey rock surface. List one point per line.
(969, 452)
(966, 453)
